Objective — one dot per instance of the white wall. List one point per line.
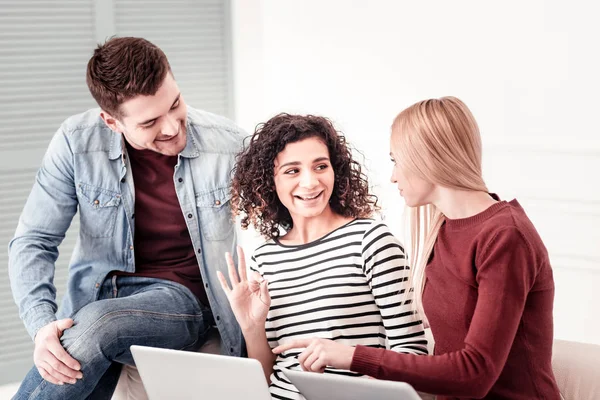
(527, 70)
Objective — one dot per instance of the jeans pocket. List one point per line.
(98, 210)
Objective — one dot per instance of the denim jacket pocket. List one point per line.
(98, 210)
(214, 211)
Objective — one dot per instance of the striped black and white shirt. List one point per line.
(347, 286)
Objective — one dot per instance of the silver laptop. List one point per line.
(173, 374)
(315, 386)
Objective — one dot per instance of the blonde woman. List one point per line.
(482, 279)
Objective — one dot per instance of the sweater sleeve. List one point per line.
(387, 273)
(506, 270)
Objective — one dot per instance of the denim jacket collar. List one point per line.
(191, 148)
(116, 145)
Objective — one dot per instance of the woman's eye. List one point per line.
(322, 167)
(291, 171)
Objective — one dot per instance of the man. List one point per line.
(150, 177)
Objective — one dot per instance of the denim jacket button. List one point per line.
(96, 202)
(97, 285)
(131, 247)
(190, 215)
(123, 180)
(217, 202)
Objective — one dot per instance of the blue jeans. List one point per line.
(129, 311)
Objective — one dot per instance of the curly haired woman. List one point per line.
(327, 269)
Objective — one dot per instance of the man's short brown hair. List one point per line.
(123, 68)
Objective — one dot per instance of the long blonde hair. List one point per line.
(437, 140)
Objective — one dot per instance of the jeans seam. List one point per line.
(37, 389)
(75, 344)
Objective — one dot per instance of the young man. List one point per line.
(150, 178)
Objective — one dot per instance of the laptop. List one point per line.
(175, 374)
(315, 386)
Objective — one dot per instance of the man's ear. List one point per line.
(110, 121)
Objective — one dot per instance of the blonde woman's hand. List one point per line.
(249, 298)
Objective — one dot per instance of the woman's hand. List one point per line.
(320, 353)
(249, 299)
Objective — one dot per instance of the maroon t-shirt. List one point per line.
(162, 244)
(488, 297)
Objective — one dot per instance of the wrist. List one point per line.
(349, 357)
(255, 331)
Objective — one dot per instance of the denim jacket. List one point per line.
(86, 167)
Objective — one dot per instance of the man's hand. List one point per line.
(319, 353)
(52, 361)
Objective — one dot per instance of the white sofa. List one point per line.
(577, 370)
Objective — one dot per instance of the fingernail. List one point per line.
(61, 383)
(79, 376)
(73, 381)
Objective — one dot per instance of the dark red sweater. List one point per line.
(488, 297)
(162, 244)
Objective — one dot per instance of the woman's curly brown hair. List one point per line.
(253, 188)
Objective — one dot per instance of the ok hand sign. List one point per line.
(249, 298)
